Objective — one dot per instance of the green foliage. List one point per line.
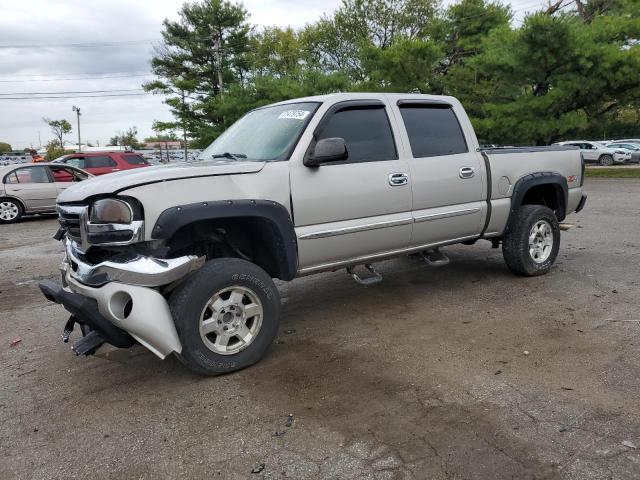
(126, 138)
(168, 137)
(565, 72)
(616, 172)
(4, 147)
(59, 128)
(54, 150)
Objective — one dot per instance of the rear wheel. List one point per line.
(226, 315)
(10, 211)
(606, 160)
(530, 245)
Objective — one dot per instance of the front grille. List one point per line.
(69, 218)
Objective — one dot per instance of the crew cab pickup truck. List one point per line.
(181, 259)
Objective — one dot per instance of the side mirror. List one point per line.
(327, 150)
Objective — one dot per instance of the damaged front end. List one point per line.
(116, 290)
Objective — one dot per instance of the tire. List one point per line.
(528, 252)
(226, 296)
(10, 210)
(606, 160)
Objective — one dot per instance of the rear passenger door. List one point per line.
(357, 207)
(447, 173)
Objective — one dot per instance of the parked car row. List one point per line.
(607, 154)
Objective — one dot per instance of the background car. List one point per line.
(33, 188)
(100, 163)
(633, 148)
(594, 152)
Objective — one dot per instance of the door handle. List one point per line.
(467, 172)
(397, 179)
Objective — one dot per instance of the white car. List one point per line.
(631, 147)
(595, 152)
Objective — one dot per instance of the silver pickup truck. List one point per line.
(181, 258)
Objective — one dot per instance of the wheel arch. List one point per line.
(263, 223)
(543, 188)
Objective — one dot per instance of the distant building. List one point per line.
(164, 145)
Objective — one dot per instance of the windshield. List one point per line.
(266, 134)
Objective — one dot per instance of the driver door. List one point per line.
(355, 208)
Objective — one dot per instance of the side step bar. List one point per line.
(374, 277)
(435, 257)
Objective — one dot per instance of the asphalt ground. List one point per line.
(461, 372)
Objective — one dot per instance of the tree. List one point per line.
(54, 150)
(4, 147)
(126, 138)
(59, 128)
(200, 57)
(167, 137)
(555, 77)
(568, 70)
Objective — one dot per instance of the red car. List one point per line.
(99, 163)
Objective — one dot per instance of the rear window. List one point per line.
(135, 159)
(99, 162)
(433, 130)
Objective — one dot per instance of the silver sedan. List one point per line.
(32, 188)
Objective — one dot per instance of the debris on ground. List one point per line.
(279, 433)
(526, 352)
(258, 468)
(289, 420)
(498, 372)
(629, 444)
(15, 341)
(290, 332)
(614, 291)
(567, 388)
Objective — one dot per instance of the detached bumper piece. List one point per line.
(84, 311)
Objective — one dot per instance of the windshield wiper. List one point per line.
(232, 156)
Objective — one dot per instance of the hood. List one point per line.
(118, 181)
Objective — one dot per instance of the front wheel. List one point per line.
(532, 240)
(226, 315)
(606, 160)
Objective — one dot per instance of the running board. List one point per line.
(435, 257)
(371, 280)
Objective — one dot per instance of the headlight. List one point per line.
(621, 152)
(110, 210)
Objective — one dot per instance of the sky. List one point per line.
(51, 46)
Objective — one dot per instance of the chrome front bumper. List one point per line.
(124, 293)
(133, 270)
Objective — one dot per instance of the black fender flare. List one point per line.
(275, 214)
(524, 184)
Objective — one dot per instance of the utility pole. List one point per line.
(77, 110)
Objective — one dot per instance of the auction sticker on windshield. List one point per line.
(294, 114)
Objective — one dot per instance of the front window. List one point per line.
(265, 134)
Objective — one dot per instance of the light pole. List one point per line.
(77, 110)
